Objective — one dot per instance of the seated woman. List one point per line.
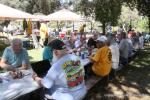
(92, 43)
(80, 42)
(15, 56)
(47, 52)
(69, 44)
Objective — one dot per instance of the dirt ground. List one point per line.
(131, 82)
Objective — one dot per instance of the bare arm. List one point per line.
(4, 65)
(24, 67)
(37, 79)
(25, 61)
(81, 44)
(79, 47)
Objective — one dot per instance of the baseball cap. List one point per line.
(57, 44)
(102, 39)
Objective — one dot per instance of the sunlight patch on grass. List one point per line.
(148, 89)
(113, 87)
(35, 54)
(134, 83)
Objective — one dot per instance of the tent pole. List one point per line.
(91, 27)
(73, 26)
(57, 25)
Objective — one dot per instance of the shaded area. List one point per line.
(2, 47)
(132, 82)
(34, 95)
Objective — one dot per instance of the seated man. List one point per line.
(65, 78)
(124, 49)
(114, 47)
(15, 56)
(102, 60)
(131, 48)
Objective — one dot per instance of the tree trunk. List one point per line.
(44, 6)
(103, 27)
(149, 23)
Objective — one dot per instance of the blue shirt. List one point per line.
(16, 60)
(47, 53)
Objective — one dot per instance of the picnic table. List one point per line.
(91, 80)
(13, 88)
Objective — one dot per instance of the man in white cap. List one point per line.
(102, 60)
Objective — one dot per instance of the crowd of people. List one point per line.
(66, 77)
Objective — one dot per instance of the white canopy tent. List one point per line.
(64, 15)
(7, 12)
(40, 17)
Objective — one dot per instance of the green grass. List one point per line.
(35, 54)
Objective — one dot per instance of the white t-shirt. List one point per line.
(141, 40)
(77, 43)
(68, 46)
(124, 48)
(66, 76)
(115, 55)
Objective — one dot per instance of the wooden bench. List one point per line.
(91, 81)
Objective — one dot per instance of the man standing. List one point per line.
(43, 35)
(15, 56)
(66, 76)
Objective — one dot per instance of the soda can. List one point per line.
(82, 55)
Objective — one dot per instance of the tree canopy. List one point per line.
(143, 7)
(105, 11)
(33, 6)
